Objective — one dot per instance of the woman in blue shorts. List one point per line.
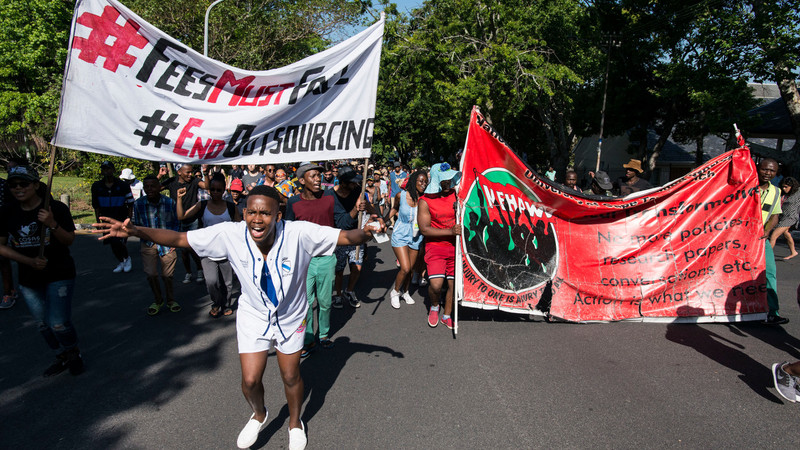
(406, 237)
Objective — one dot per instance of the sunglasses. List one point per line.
(22, 184)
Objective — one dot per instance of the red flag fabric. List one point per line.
(691, 248)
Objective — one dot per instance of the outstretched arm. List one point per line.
(358, 237)
(114, 228)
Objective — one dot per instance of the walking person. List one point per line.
(112, 197)
(770, 211)
(437, 222)
(315, 205)
(271, 258)
(406, 237)
(46, 283)
(154, 210)
(217, 271)
(790, 205)
(185, 179)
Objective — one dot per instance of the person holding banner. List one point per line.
(406, 237)
(271, 258)
(186, 180)
(45, 282)
(217, 271)
(438, 223)
(770, 211)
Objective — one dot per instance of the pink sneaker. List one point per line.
(433, 317)
(447, 322)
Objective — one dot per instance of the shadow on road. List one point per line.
(133, 361)
(725, 352)
(320, 371)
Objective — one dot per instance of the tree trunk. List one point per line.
(791, 97)
(662, 139)
(698, 153)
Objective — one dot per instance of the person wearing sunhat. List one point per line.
(437, 220)
(136, 185)
(632, 182)
(46, 283)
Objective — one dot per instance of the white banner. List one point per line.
(131, 90)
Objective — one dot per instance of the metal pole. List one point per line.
(205, 28)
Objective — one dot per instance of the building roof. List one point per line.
(775, 121)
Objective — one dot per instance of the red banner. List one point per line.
(691, 248)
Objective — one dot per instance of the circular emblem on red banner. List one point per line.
(510, 240)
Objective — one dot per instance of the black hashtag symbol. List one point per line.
(153, 122)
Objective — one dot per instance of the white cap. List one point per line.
(127, 174)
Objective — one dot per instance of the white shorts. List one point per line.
(250, 326)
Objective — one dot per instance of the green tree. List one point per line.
(520, 62)
(250, 34)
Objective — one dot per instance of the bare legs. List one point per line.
(253, 365)
(783, 231)
(408, 259)
(435, 287)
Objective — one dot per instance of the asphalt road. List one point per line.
(172, 381)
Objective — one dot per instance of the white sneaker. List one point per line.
(126, 265)
(120, 267)
(408, 299)
(249, 434)
(187, 279)
(395, 298)
(297, 437)
(200, 278)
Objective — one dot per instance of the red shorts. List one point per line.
(441, 261)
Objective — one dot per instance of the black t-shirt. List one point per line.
(114, 201)
(173, 184)
(23, 232)
(625, 189)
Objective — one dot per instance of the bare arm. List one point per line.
(424, 221)
(179, 206)
(56, 231)
(395, 207)
(358, 237)
(770, 224)
(114, 228)
(9, 253)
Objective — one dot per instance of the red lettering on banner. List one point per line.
(186, 134)
(229, 78)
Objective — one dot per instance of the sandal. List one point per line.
(326, 343)
(173, 306)
(307, 349)
(228, 312)
(215, 312)
(154, 309)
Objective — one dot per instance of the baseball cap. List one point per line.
(348, 175)
(236, 185)
(106, 164)
(27, 173)
(603, 180)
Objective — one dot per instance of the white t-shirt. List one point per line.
(296, 242)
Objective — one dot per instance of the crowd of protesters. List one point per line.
(328, 218)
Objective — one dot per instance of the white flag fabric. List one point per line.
(131, 90)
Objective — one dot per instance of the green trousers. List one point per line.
(772, 279)
(319, 288)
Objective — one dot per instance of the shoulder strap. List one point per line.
(775, 199)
